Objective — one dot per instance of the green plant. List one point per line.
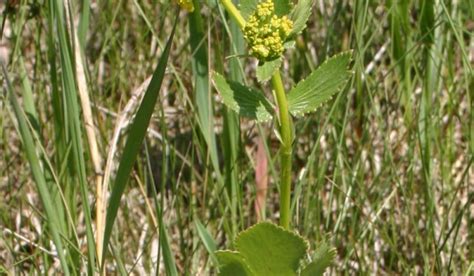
(267, 249)
(391, 153)
(270, 27)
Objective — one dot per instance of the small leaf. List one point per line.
(232, 263)
(300, 15)
(247, 7)
(290, 44)
(324, 257)
(277, 134)
(282, 7)
(321, 85)
(271, 250)
(244, 100)
(207, 240)
(266, 70)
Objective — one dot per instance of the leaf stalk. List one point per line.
(234, 12)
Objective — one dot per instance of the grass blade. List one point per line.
(232, 143)
(207, 240)
(135, 138)
(168, 258)
(84, 22)
(78, 168)
(202, 91)
(37, 172)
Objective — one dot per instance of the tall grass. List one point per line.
(383, 172)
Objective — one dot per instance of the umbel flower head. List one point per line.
(266, 32)
(186, 4)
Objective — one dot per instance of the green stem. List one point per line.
(285, 130)
(285, 151)
(232, 10)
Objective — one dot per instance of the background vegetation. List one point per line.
(384, 171)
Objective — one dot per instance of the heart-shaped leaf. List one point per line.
(300, 15)
(246, 101)
(266, 70)
(267, 249)
(271, 250)
(232, 263)
(321, 85)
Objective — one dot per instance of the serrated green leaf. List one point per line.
(271, 250)
(244, 100)
(300, 15)
(324, 257)
(247, 7)
(321, 85)
(282, 7)
(266, 70)
(232, 263)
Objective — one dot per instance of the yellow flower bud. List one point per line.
(266, 32)
(186, 4)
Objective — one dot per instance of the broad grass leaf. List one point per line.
(321, 85)
(232, 263)
(266, 70)
(428, 21)
(200, 68)
(246, 101)
(299, 15)
(271, 250)
(135, 138)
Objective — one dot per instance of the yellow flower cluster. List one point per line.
(186, 4)
(266, 32)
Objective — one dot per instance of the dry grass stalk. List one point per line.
(91, 135)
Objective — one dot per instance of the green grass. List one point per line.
(383, 172)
